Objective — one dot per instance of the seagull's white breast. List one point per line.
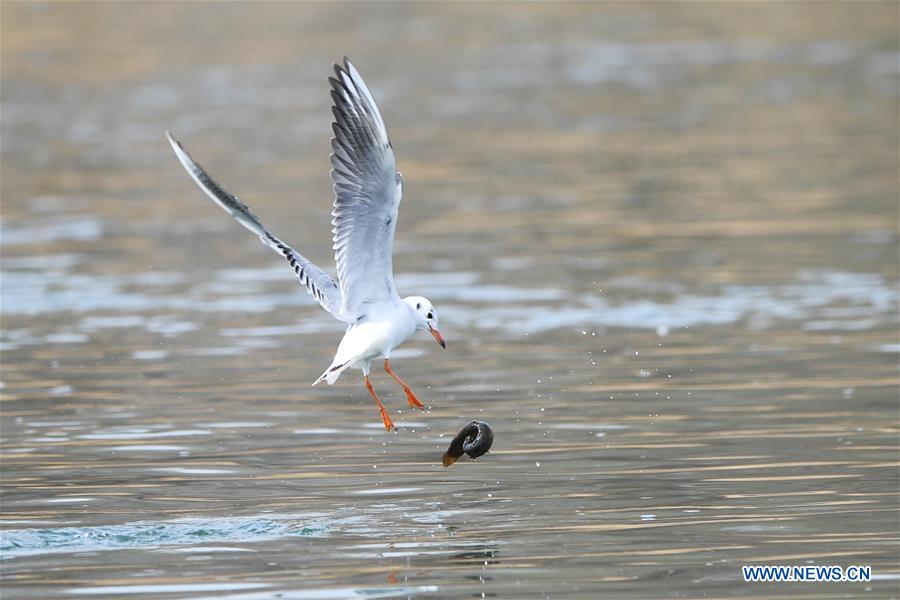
(381, 331)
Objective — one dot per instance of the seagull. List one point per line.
(367, 193)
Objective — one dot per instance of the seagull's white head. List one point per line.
(426, 317)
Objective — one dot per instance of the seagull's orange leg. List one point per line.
(410, 397)
(388, 424)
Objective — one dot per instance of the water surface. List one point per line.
(662, 240)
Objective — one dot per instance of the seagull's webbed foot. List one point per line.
(413, 401)
(388, 423)
(410, 396)
(386, 419)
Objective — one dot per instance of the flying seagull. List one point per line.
(367, 193)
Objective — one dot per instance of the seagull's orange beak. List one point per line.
(437, 336)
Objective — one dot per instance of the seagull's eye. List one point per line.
(418, 305)
(430, 315)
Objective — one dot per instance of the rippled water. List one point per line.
(662, 240)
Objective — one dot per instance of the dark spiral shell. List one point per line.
(475, 439)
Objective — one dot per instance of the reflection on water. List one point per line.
(662, 238)
(822, 300)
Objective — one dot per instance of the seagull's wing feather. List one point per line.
(319, 284)
(367, 192)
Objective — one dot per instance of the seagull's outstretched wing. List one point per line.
(319, 284)
(367, 192)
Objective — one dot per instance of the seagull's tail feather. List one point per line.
(319, 284)
(331, 374)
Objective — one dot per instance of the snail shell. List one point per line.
(474, 439)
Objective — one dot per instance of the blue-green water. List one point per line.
(148, 536)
